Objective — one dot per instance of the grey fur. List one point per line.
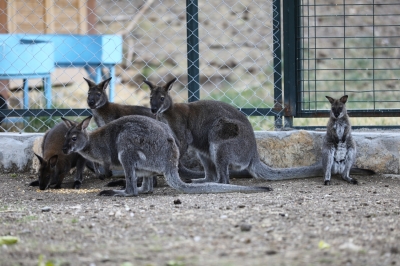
(105, 112)
(222, 136)
(338, 148)
(143, 147)
(55, 165)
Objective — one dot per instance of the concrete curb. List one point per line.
(378, 151)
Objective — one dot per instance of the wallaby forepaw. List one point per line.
(354, 181)
(34, 183)
(101, 177)
(327, 183)
(77, 184)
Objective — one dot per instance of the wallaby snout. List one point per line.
(91, 102)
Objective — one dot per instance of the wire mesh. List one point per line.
(349, 47)
(236, 47)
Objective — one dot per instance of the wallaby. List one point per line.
(339, 147)
(222, 136)
(143, 147)
(55, 165)
(104, 112)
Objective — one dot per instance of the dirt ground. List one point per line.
(301, 222)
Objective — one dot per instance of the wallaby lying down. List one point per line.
(143, 147)
(338, 147)
(222, 136)
(55, 165)
(105, 112)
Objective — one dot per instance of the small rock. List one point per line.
(271, 252)
(177, 201)
(46, 209)
(245, 227)
(241, 206)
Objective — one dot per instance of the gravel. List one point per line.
(301, 222)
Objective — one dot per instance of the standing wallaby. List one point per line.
(143, 147)
(222, 136)
(55, 165)
(105, 112)
(339, 148)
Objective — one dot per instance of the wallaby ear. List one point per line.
(151, 86)
(344, 98)
(104, 83)
(68, 123)
(84, 123)
(331, 100)
(169, 84)
(90, 83)
(41, 160)
(53, 161)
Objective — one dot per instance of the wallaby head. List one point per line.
(338, 106)
(97, 95)
(76, 137)
(47, 171)
(160, 100)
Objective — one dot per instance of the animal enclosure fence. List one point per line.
(343, 47)
(225, 50)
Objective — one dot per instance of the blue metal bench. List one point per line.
(87, 51)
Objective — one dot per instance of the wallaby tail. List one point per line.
(188, 174)
(174, 181)
(260, 170)
(361, 171)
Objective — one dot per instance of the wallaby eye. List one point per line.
(98, 94)
(73, 138)
(162, 99)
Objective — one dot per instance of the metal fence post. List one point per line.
(290, 28)
(277, 61)
(192, 24)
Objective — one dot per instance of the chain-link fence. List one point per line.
(238, 54)
(348, 47)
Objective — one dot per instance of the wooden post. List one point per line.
(4, 92)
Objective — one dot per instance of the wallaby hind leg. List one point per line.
(80, 166)
(147, 185)
(130, 177)
(209, 170)
(327, 163)
(350, 158)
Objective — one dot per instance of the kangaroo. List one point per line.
(339, 147)
(143, 147)
(105, 112)
(222, 136)
(55, 165)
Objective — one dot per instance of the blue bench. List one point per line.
(36, 55)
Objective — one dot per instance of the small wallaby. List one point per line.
(143, 147)
(339, 147)
(55, 165)
(105, 112)
(222, 136)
